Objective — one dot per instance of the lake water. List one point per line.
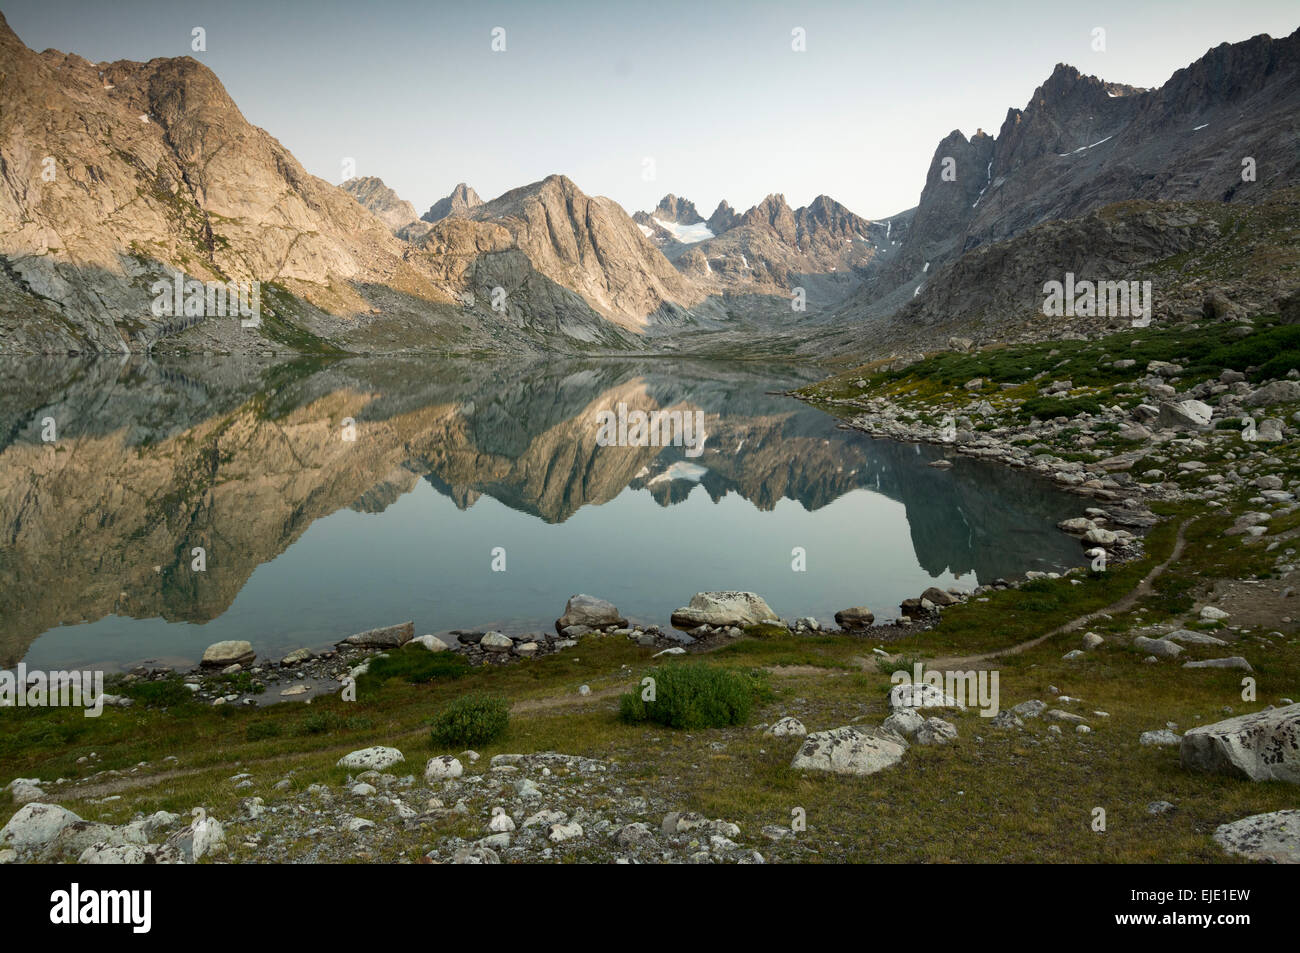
(457, 467)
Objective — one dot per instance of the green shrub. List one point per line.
(319, 722)
(1045, 408)
(417, 664)
(163, 693)
(694, 696)
(471, 720)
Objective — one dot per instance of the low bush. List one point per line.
(694, 696)
(471, 720)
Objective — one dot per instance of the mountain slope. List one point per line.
(385, 204)
(462, 199)
(1081, 143)
(592, 247)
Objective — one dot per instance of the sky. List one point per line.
(633, 100)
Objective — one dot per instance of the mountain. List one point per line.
(773, 249)
(587, 245)
(153, 172)
(116, 175)
(385, 204)
(723, 218)
(1081, 143)
(673, 209)
(461, 200)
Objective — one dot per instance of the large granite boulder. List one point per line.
(35, 825)
(855, 618)
(1273, 837)
(388, 637)
(1186, 415)
(1264, 746)
(589, 611)
(232, 652)
(848, 750)
(722, 608)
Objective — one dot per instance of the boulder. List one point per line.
(787, 727)
(1188, 637)
(939, 597)
(936, 731)
(432, 643)
(443, 768)
(1160, 648)
(1100, 537)
(847, 750)
(856, 617)
(113, 854)
(389, 637)
(722, 609)
(1273, 837)
(1185, 415)
(35, 825)
(920, 695)
(1217, 306)
(371, 759)
(200, 838)
(1262, 747)
(232, 652)
(496, 642)
(297, 656)
(1274, 392)
(588, 611)
(904, 722)
(1232, 661)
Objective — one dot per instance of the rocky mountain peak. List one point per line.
(774, 212)
(389, 207)
(461, 200)
(724, 217)
(679, 210)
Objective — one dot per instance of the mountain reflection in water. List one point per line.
(310, 537)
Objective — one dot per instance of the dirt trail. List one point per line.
(117, 785)
(1122, 604)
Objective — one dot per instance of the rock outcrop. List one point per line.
(1264, 746)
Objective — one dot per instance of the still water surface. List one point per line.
(457, 465)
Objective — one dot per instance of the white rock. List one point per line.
(562, 832)
(904, 721)
(847, 750)
(787, 727)
(35, 825)
(371, 759)
(1273, 837)
(443, 767)
(432, 643)
(1264, 746)
(920, 695)
(936, 731)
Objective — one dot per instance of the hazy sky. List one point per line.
(711, 91)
